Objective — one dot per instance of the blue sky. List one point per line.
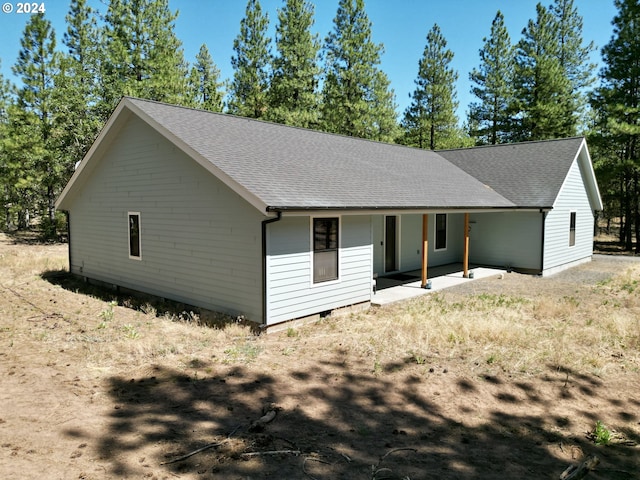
(401, 25)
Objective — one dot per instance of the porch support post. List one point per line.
(425, 248)
(465, 255)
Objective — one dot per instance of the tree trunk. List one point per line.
(636, 205)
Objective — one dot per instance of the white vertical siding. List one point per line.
(573, 197)
(291, 292)
(201, 242)
(506, 239)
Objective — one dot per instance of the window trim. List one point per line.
(312, 252)
(129, 215)
(573, 222)
(435, 232)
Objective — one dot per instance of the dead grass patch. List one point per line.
(494, 377)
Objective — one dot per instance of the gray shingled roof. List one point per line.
(293, 168)
(529, 174)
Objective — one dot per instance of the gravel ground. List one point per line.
(600, 269)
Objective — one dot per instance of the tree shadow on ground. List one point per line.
(343, 422)
(141, 302)
(612, 248)
(31, 236)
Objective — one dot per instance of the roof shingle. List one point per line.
(291, 168)
(530, 174)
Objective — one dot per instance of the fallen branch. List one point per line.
(259, 424)
(202, 449)
(191, 454)
(304, 466)
(271, 452)
(397, 450)
(577, 472)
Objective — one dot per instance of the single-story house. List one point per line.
(277, 223)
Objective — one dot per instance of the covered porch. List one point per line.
(403, 286)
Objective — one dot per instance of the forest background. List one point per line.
(541, 85)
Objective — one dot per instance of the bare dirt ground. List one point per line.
(94, 386)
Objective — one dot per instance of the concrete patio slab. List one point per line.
(405, 291)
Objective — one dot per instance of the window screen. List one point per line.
(325, 249)
(441, 231)
(572, 229)
(134, 235)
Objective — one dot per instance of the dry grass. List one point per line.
(590, 328)
(123, 383)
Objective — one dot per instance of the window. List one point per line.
(572, 229)
(441, 231)
(134, 235)
(325, 249)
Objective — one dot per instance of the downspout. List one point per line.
(264, 264)
(544, 218)
(66, 213)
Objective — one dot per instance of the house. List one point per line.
(278, 223)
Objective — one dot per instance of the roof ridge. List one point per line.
(276, 124)
(528, 142)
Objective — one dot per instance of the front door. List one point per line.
(390, 243)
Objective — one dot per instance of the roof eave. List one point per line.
(420, 209)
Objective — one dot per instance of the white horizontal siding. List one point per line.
(201, 242)
(573, 197)
(410, 242)
(506, 239)
(290, 290)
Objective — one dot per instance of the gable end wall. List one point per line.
(201, 242)
(572, 197)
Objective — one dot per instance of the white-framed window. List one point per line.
(325, 241)
(135, 241)
(441, 231)
(572, 228)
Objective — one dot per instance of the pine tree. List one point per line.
(493, 86)
(617, 102)
(6, 185)
(543, 91)
(204, 85)
(573, 56)
(142, 56)
(33, 144)
(251, 63)
(75, 92)
(293, 96)
(356, 100)
(430, 121)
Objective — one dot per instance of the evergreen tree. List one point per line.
(542, 89)
(251, 63)
(293, 92)
(383, 110)
(6, 185)
(5, 97)
(33, 145)
(573, 56)
(204, 85)
(356, 98)
(75, 92)
(142, 55)
(617, 103)
(430, 121)
(492, 84)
